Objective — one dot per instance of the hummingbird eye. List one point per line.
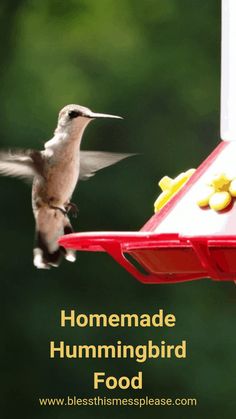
(74, 114)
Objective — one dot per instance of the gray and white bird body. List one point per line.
(55, 172)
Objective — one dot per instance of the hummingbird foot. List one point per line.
(62, 209)
(73, 208)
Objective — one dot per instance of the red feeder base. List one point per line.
(182, 241)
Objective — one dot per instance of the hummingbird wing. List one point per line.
(22, 164)
(92, 161)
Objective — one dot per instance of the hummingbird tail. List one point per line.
(44, 259)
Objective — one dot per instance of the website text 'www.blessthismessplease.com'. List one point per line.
(72, 401)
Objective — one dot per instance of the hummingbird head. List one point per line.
(74, 118)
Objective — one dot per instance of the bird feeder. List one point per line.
(184, 240)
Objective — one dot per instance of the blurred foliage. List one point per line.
(156, 63)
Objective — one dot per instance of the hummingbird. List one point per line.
(54, 173)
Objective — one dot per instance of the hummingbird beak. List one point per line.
(93, 115)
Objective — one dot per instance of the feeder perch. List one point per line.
(185, 241)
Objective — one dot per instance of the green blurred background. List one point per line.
(156, 63)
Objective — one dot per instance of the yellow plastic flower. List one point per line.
(218, 193)
(170, 187)
(220, 182)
